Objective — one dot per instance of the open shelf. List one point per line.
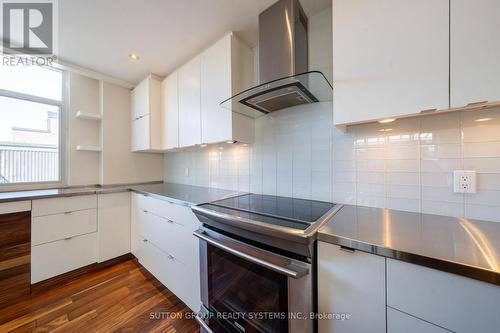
(88, 116)
(88, 148)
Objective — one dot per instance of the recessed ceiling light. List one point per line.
(387, 120)
(231, 141)
(483, 119)
(385, 130)
(203, 145)
(133, 56)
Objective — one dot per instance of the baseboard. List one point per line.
(65, 277)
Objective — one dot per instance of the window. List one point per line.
(30, 121)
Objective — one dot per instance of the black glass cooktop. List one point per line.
(298, 210)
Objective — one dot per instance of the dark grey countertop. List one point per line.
(182, 194)
(461, 246)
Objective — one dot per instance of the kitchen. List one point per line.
(264, 166)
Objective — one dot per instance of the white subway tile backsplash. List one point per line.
(438, 179)
(440, 129)
(403, 191)
(488, 181)
(402, 178)
(486, 165)
(440, 165)
(443, 208)
(483, 212)
(444, 194)
(410, 205)
(481, 149)
(404, 165)
(481, 131)
(444, 150)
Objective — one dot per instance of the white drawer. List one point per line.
(60, 205)
(50, 228)
(177, 213)
(51, 259)
(172, 238)
(182, 280)
(451, 301)
(399, 322)
(14, 207)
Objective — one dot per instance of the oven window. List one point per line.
(247, 297)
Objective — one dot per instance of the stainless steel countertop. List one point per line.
(461, 246)
(181, 194)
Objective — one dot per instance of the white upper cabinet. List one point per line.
(226, 69)
(390, 58)
(140, 99)
(189, 103)
(475, 51)
(146, 115)
(170, 112)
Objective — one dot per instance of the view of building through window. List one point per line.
(30, 107)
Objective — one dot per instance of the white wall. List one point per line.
(118, 163)
(321, 43)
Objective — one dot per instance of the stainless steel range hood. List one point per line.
(283, 65)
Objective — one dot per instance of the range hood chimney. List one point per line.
(283, 65)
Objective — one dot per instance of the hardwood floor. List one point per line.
(120, 298)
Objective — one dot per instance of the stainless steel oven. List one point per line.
(246, 288)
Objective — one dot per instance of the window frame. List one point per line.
(62, 105)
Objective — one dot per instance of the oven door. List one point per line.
(248, 289)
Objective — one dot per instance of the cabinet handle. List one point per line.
(428, 111)
(171, 257)
(169, 220)
(347, 249)
(477, 103)
(68, 238)
(144, 240)
(68, 212)
(145, 211)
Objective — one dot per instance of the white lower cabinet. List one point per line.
(50, 228)
(58, 257)
(163, 242)
(114, 225)
(63, 235)
(353, 284)
(399, 322)
(72, 232)
(450, 301)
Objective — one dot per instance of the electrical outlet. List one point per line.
(464, 181)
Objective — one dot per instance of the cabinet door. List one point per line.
(216, 122)
(140, 134)
(399, 322)
(114, 225)
(170, 112)
(351, 283)
(189, 104)
(140, 99)
(390, 58)
(475, 50)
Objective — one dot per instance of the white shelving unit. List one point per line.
(88, 116)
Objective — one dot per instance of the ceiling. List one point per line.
(99, 35)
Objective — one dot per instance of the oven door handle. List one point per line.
(292, 270)
(203, 324)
